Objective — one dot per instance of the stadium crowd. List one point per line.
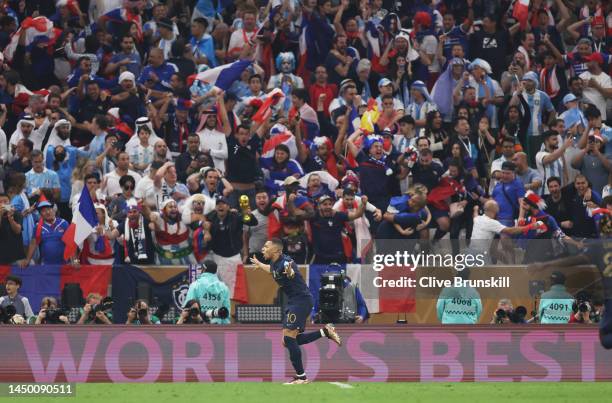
(353, 121)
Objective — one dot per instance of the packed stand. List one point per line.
(349, 122)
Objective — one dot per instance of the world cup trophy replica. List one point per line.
(244, 206)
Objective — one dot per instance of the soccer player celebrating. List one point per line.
(299, 304)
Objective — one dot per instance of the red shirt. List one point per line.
(331, 90)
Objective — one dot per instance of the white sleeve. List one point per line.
(497, 90)
(234, 42)
(430, 44)
(370, 207)
(27, 308)
(496, 226)
(220, 152)
(3, 147)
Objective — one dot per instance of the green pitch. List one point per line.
(323, 392)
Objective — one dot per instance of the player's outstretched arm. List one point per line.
(259, 265)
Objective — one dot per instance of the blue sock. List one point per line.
(295, 355)
(305, 338)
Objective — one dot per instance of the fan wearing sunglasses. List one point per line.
(117, 207)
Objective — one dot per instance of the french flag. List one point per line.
(83, 224)
(224, 76)
(274, 97)
(521, 12)
(35, 28)
(279, 134)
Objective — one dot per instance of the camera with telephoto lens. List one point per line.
(194, 311)
(515, 316)
(104, 305)
(6, 313)
(217, 313)
(582, 303)
(142, 314)
(500, 315)
(53, 315)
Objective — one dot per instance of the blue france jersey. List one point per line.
(294, 288)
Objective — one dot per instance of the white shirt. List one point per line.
(111, 182)
(485, 228)
(3, 147)
(160, 194)
(593, 95)
(237, 40)
(142, 189)
(214, 141)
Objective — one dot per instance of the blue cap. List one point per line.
(44, 203)
(569, 98)
(384, 81)
(531, 76)
(222, 199)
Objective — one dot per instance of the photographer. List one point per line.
(139, 315)
(10, 232)
(50, 313)
(503, 311)
(96, 311)
(506, 313)
(12, 298)
(191, 314)
(583, 311)
(211, 294)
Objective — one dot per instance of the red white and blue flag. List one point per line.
(83, 224)
(37, 29)
(279, 134)
(274, 97)
(224, 76)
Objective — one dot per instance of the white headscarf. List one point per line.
(18, 135)
(54, 139)
(133, 143)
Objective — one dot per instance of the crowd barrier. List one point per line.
(254, 353)
(169, 286)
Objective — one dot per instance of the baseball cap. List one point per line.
(323, 198)
(530, 76)
(569, 98)
(290, 180)
(594, 57)
(44, 203)
(222, 199)
(557, 277)
(384, 82)
(598, 20)
(165, 22)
